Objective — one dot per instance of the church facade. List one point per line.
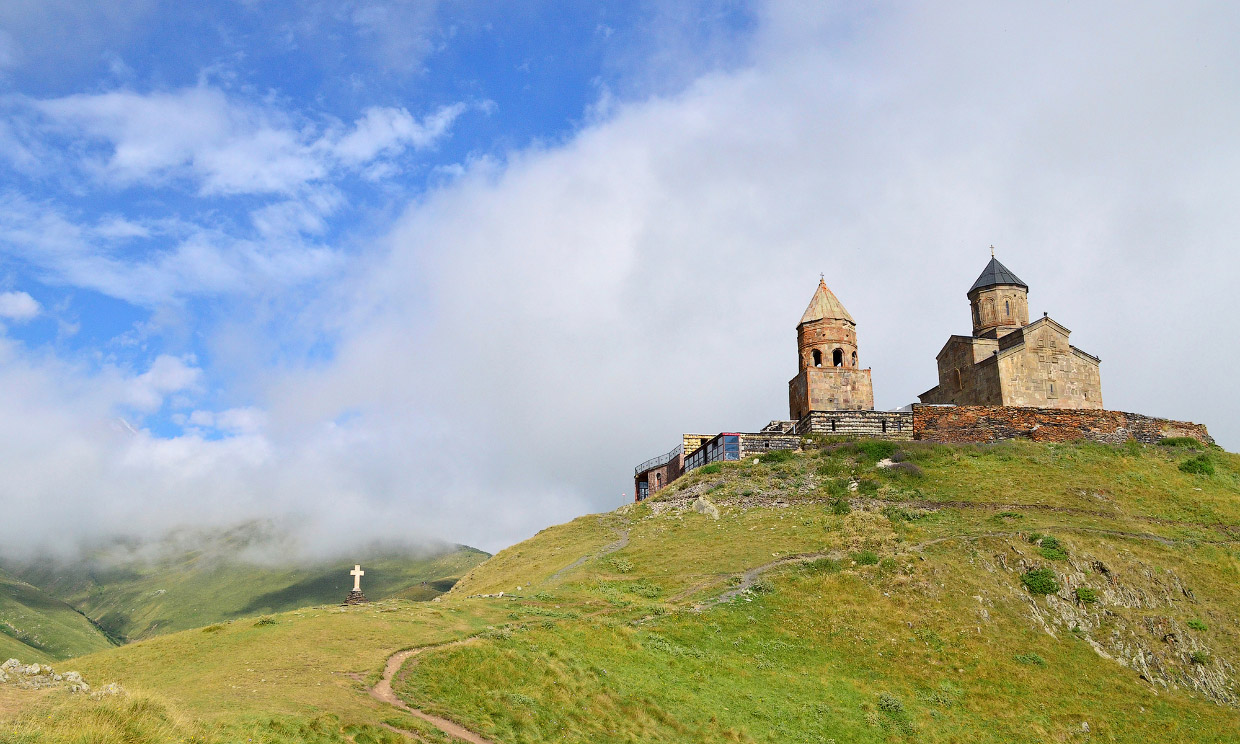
(1008, 361)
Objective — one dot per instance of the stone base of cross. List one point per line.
(355, 598)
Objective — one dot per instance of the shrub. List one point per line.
(1051, 550)
(840, 507)
(1031, 659)
(887, 565)
(1199, 657)
(876, 450)
(263, 621)
(889, 703)
(1199, 465)
(1040, 581)
(867, 486)
(622, 565)
(710, 469)
(865, 558)
(1010, 515)
(904, 470)
(838, 487)
(892, 708)
(1188, 442)
(762, 586)
(1196, 624)
(1086, 595)
(820, 565)
(782, 455)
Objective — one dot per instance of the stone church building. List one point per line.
(1009, 361)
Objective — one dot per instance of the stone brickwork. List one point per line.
(830, 389)
(756, 444)
(897, 425)
(973, 424)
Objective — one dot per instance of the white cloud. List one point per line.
(167, 374)
(18, 306)
(246, 420)
(221, 144)
(389, 130)
(199, 260)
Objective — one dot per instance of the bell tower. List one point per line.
(829, 376)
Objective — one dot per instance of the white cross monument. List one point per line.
(356, 596)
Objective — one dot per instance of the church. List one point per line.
(1009, 361)
(1009, 379)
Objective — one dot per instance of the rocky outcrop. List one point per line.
(1137, 616)
(42, 676)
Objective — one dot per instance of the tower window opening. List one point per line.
(884, 427)
(832, 424)
(837, 357)
(817, 358)
(854, 359)
(1007, 308)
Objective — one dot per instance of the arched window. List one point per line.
(884, 426)
(1007, 308)
(854, 359)
(837, 357)
(817, 358)
(658, 479)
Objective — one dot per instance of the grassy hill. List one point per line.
(1011, 593)
(38, 628)
(134, 591)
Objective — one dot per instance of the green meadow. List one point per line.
(1017, 592)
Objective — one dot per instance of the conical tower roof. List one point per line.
(825, 305)
(995, 274)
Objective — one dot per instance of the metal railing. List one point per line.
(655, 462)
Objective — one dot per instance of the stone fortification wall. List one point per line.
(756, 444)
(968, 424)
(896, 425)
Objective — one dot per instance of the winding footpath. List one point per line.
(383, 692)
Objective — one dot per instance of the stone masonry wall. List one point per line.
(896, 425)
(967, 424)
(756, 444)
(829, 389)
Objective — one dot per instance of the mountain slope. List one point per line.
(137, 591)
(36, 627)
(832, 599)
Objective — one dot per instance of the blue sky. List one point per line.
(399, 270)
(171, 164)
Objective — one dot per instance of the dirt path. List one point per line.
(383, 692)
(620, 544)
